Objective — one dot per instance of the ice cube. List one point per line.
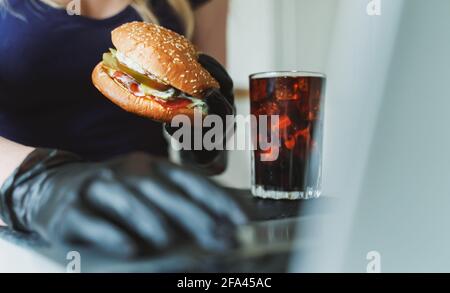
(259, 90)
(266, 108)
(303, 84)
(283, 123)
(290, 142)
(286, 88)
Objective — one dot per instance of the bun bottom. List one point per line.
(142, 106)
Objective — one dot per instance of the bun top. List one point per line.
(167, 55)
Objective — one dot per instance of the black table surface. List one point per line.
(259, 209)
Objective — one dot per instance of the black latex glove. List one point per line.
(226, 84)
(221, 103)
(128, 206)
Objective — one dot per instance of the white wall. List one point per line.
(303, 33)
(269, 35)
(251, 38)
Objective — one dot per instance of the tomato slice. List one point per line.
(118, 74)
(128, 82)
(177, 103)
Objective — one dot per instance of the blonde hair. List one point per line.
(182, 8)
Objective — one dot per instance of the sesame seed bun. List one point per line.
(146, 107)
(167, 55)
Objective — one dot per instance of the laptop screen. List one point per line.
(387, 159)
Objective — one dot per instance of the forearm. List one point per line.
(11, 156)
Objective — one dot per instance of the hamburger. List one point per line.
(153, 72)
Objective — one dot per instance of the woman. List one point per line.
(125, 203)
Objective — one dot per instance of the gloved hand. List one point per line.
(221, 103)
(128, 206)
(218, 105)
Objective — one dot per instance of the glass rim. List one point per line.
(287, 73)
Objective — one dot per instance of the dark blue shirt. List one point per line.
(46, 95)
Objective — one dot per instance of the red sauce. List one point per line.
(134, 88)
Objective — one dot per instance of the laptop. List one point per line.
(394, 217)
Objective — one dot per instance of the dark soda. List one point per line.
(297, 99)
